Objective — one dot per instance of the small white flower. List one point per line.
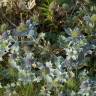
(91, 25)
(49, 64)
(14, 92)
(38, 79)
(41, 35)
(74, 57)
(74, 52)
(18, 83)
(0, 85)
(71, 53)
(1, 59)
(12, 84)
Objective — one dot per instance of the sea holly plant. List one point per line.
(57, 72)
(34, 63)
(26, 67)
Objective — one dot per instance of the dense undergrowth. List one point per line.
(48, 48)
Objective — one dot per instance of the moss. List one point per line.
(73, 84)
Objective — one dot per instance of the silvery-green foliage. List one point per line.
(87, 87)
(58, 61)
(57, 73)
(61, 41)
